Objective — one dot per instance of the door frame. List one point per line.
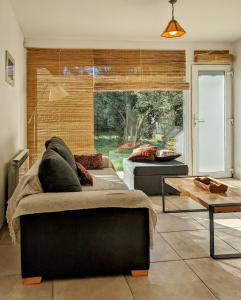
(228, 115)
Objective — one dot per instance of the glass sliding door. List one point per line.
(212, 123)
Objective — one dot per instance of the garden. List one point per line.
(125, 120)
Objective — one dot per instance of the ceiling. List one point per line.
(141, 20)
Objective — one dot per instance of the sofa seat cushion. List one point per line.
(150, 168)
(105, 179)
(56, 175)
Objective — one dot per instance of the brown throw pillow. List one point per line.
(84, 176)
(141, 155)
(90, 162)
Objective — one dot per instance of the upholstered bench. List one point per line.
(146, 176)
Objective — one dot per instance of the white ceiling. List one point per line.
(141, 20)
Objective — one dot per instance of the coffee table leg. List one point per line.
(212, 238)
(211, 231)
(163, 194)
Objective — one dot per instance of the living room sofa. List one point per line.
(63, 239)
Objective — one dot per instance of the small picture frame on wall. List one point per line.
(9, 69)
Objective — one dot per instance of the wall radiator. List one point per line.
(17, 167)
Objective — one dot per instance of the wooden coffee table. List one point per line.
(214, 203)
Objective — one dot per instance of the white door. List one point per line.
(212, 120)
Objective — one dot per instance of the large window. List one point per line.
(124, 120)
(67, 87)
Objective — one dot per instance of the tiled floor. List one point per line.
(180, 264)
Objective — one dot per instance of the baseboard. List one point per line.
(237, 176)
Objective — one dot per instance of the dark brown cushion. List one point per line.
(63, 150)
(84, 175)
(56, 175)
(91, 162)
(55, 139)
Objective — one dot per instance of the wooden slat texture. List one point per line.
(70, 117)
(141, 70)
(213, 57)
(78, 73)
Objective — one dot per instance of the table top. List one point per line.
(187, 187)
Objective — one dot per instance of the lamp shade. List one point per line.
(57, 92)
(173, 29)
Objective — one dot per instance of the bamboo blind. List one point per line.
(213, 57)
(71, 117)
(79, 73)
(117, 70)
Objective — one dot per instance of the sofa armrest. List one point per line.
(107, 163)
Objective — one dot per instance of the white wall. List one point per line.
(237, 109)
(12, 99)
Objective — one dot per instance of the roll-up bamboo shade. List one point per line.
(117, 70)
(61, 84)
(70, 117)
(213, 57)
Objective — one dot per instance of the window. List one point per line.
(67, 87)
(125, 120)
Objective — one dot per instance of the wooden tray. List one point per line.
(211, 185)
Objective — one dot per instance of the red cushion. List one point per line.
(84, 175)
(91, 162)
(142, 154)
(146, 147)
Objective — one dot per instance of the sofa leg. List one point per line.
(32, 280)
(139, 273)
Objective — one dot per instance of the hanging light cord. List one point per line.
(172, 2)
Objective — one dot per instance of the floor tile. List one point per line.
(9, 260)
(231, 236)
(222, 277)
(11, 288)
(226, 220)
(169, 280)
(157, 203)
(5, 238)
(184, 203)
(101, 288)
(162, 251)
(176, 222)
(195, 244)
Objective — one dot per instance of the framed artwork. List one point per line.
(9, 69)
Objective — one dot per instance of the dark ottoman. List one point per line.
(146, 176)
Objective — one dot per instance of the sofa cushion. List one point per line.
(56, 139)
(173, 167)
(142, 155)
(63, 150)
(56, 175)
(105, 179)
(84, 176)
(91, 161)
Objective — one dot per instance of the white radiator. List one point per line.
(18, 166)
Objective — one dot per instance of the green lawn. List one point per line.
(107, 143)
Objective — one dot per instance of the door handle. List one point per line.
(196, 121)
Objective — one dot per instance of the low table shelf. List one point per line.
(214, 203)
